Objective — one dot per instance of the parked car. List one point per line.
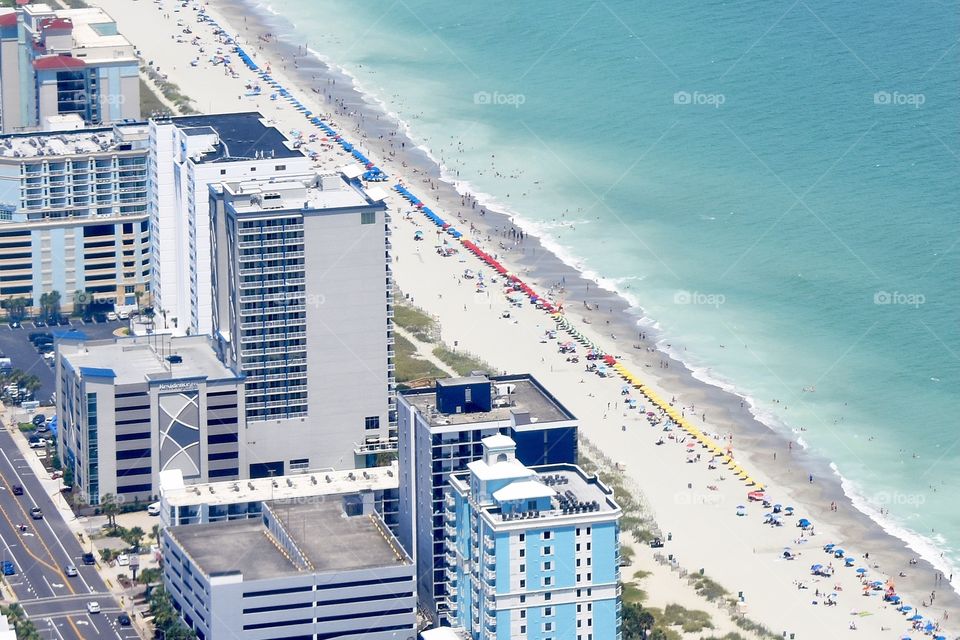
(39, 322)
(39, 419)
(17, 490)
(89, 559)
(36, 513)
(9, 569)
(36, 442)
(93, 607)
(112, 316)
(153, 509)
(100, 317)
(70, 571)
(123, 620)
(123, 560)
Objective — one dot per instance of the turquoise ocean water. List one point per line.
(775, 184)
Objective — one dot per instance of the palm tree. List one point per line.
(110, 507)
(134, 537)
(16, 307)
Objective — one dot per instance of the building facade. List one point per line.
(187, 155)
(441, 431)
(301, 281)
(73, 215)
(532, 553)
(130, 408)
(299, 570)
(65, 62)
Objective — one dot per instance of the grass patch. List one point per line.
(150, 103)
(708, 588)
(689, 620)
(640, 574)
(421, 325)
(26, 426)
(729, 636)
(170, 91)
(410, 368)
(632, 594)
(461, 362)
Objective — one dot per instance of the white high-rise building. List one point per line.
(302, 290)
(188, 154)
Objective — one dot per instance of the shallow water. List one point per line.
(774, 184)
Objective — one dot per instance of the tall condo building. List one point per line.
(73, 215)
(532, 552)
(302, 291)
(187, 155)
(65, 62)
(441, 431)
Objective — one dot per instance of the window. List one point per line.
(523, 599)
(280, 167)
(523, 568)
(368, 217)
(371, 422)
(523, 537)
(523, 613)
(523, 628)
(523, 584)
(548, 581)
(300, 464)
(548, 550)
(223, 172)
(548, 597)
(548, 565)
(548, 611)
(548, 626)
(547, 535)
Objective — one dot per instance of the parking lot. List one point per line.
(15, 344)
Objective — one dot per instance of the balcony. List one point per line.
(452, 591)
(490, 622)
(449, 531)
(449, 516)
(489, 544)
(490, 575)
(449, 501)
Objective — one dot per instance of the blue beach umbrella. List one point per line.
(906, 608)
(861, 571)
(838, 553)
(849, 562)
(829, 547)
(816, 567)
(915, 617)
(803, 522)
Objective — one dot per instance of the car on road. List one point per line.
(123, 620)
(71, 571)
(9, 569)
(36, 513)
(89, 559)
(17, 490)
(93, 607)
(123, 560)
(153, 509)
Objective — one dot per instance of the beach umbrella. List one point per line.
(906, 608)
(838, 553)
(848, 562)
(803, 522)
(915, 617)
(861, 571)
(816, 567)
(829, 547)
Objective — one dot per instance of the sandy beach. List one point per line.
(695, 504)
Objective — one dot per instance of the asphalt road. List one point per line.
(56, 604)
(16, 345)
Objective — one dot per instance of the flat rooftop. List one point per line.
(71, 143)
(512, 394)
(144, 358)
(570, 489)
(243, 136)
(309, 192)
(294, 486)
(331, 541)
